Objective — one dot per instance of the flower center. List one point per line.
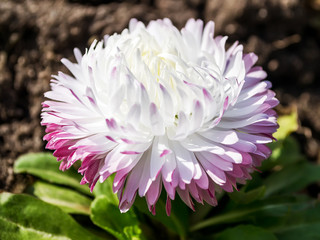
(176, 84)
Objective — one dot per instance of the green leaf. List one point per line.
(105, 214)
(292, 178)
(303, 224)
(247, 232)
(46, 167)
(177, 222)
(242, 197)
(105, 189)
(309, 231)
(68, 200)
(287, 125)
(265, 213)
(284, 152)
(24, 217)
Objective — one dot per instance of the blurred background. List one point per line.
(35, 35)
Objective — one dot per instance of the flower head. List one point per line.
(162, 109)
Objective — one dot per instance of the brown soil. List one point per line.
(35, 35)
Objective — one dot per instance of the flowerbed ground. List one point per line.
(35, 36)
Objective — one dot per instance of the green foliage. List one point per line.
(280, 216)
(46, 167)
(302, 231)
(247, 232)
(292, 178)
(68, 200)
(25, 217)
(105, 189)
(265, 213)
(287, 125)
(285, 152)
(303, 225)
(105, 214)
(243, 197)
(177, 222)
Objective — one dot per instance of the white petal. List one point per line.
(242, 122)
(77, 54)
(185, 163)
(224, 137)
(156, 121)
(217, 175)
(160, 150)
(145, 180)
(207, 37)
(196, 143)
(216, 160)
(197, 116)
(169, 167)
